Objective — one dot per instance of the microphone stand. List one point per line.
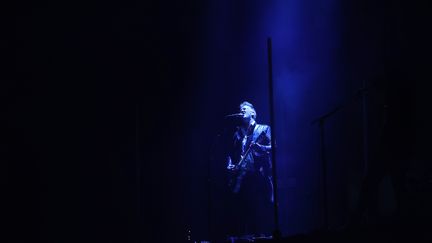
(210, 182)
(221, 131)
(209, 185)
(321, 122)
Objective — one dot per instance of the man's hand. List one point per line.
(230, 165)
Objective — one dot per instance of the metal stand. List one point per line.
(321, 122)
(276, 232)
(209, 182)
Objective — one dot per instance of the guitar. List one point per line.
(239, 170)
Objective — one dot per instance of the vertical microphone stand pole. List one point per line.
(276, 233)
(365, 129)
(138, 168)
(221, 132)
(209, 183)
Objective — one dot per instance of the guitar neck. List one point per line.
(259, 138)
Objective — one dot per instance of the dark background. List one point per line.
(102, 101)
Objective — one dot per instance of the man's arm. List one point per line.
(264, 148)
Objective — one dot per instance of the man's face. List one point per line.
(248, 112)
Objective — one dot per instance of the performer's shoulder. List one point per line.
(262, 127)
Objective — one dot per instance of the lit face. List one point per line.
(248, 112)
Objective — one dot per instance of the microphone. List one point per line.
(234, 115)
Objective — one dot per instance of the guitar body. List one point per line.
(240, 170)
(236, 177)
(236, 181)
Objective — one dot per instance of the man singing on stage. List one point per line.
(249, 175)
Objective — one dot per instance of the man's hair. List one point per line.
(245, 103)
